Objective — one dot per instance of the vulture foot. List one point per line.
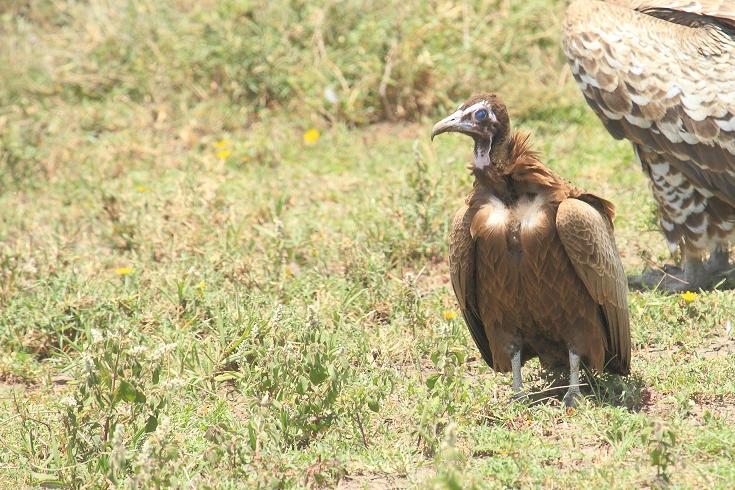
(571, 396)
(694, 276)
(520, 396)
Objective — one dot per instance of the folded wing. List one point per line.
(587, 236)
(462, 264)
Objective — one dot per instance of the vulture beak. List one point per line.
(450, 124)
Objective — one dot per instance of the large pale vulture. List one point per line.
(662, 75)
(533, 259)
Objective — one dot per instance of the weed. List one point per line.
(661, 440)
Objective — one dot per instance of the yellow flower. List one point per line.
(312, 135)
(123, 271)
(142, 188)
(689, 296)
(449, 315)
(221, 144)
(223, 154)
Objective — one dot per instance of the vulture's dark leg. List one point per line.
(719, 261)
(573, 391)
(719, 266)
(694, 274)
(515, 363)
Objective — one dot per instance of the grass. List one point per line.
(193, 295)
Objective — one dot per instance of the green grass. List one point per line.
(192, 295)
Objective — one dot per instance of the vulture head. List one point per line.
(483, 117)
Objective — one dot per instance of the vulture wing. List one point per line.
(720, 10)
(587, 236)
(662, 77)
(462, 263)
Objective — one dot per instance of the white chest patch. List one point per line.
(498, 214)
(529, 211)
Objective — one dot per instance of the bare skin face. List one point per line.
(483, 118)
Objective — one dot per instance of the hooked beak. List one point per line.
(450, 124)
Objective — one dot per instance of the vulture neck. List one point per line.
(489, 154)
(514, 169)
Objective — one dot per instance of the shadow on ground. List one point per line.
(612, 390)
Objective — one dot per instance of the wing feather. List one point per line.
(587, 236)
(462, 264)
(722, 10)
(666, 86)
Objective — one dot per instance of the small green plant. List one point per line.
(364, 399)
(299, 376)
(447, 389)
(661, 440)
(117, 402)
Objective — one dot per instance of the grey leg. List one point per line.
(719, 260)
(573, 391)
(694, 273)
(515, 362)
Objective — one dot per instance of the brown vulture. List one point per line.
(533, 259)
(661, 73)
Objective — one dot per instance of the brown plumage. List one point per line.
(661, 73)
(533, 259)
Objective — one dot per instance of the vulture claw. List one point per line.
(570, 398)
(521, 397)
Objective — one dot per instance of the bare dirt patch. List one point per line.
(375, 481)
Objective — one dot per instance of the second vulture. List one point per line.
(533, 259)
(661, 73)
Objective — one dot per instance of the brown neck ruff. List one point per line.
(515, 170)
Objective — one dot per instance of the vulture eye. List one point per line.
(481, 114)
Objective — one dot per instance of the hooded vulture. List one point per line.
(661, 73)
(533, 259)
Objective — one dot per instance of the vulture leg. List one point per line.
(515, 363)
(573, 392)
(719, 261)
